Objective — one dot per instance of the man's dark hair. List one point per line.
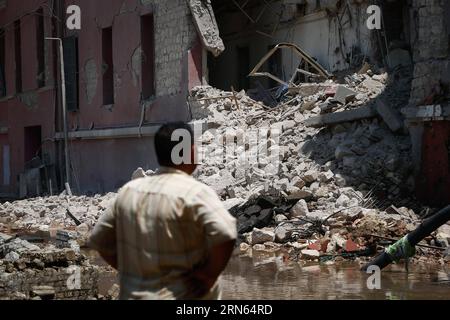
(164, 144)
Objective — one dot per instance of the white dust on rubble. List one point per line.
(300, 162)
(43, 214)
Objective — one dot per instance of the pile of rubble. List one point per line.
(29, 271)
(48, 215)
(304, 161)
(336, 154)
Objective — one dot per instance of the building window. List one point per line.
(71, 72)
(40, 43)
(2, 64)
(18, 55)
(148, 56)
(108, 66)
(32, 143)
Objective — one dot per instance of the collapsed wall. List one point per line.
(30, 272)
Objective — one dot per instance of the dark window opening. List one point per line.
(275, 66)
(148, 56)
(18, 55)
(33, 141)
(243, 67)
(2, 64)
(301, 9)
(40, 48)
(71, 72)
(108, 67)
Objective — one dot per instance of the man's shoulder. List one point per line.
(179, 182)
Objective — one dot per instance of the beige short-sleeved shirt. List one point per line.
(161, 228)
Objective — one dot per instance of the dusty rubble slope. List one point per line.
(353, 171)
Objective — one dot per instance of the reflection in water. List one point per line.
(265, 277)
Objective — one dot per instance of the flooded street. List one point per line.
(268, 278)
(246, 278)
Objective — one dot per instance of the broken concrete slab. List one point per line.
(390, 116)
(340, 117)
(300, 209)
(344, 95)
(260, 236)
(283, 233)
(310, 254)
(206, 24)
(297, 194)
(308, 89)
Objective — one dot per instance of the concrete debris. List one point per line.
(365, 112)
(390, 116)
(23, 265)
(299, 210)
(206, 24)
(295, 160)
(344, 95)
(262, 236)
(310, 254)
(335, 173)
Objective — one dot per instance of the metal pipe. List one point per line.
(64, 108)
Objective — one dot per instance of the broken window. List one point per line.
(33, 141)
(18, 55)
(71, 72)
(2, 64)
(108, 69)
(40, 39)
(148, 56)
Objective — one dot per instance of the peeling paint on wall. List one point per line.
(90, 79)
(136, 65)
(30, 99)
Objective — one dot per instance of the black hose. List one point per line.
(429, 225)
(424, 230)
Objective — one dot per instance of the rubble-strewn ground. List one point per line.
(48, 268)
(313, 194)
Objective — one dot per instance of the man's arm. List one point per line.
(220, 233)
(103, 238)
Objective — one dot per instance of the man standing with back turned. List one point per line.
(169, 236)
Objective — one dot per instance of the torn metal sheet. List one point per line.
(206, 24)
(321, 72)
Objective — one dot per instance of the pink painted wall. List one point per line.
(100, 165)
(14, 113)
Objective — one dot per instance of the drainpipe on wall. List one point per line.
(64, 109)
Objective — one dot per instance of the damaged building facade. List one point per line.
(130, 65)
(334, 33)
(133, 62)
